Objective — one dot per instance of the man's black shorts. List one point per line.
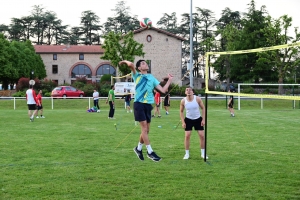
(196, 123)
(31, 106)
(142, 112)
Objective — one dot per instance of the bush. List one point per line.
(47, 94)
(248, 90)
(19, 94)
(106, 79)
(23, 84)
(79, 85)
(104, 90)
(47, 86)
(88, 90)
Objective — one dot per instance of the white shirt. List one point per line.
(192, 108)
(96, 95)
(30, 96)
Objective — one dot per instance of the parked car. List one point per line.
(66, 91)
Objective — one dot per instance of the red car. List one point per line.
(66, 91)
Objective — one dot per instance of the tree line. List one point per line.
(234, 30)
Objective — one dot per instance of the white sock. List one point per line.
(140, 146)
(32, 116)
(187, 152)
(202, 151)
(149, 149)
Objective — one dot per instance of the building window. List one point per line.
(149, 38)
(55, 56)
(149, 65)
(105, 69)
(54, 69)
(81, 71)
(81, 56)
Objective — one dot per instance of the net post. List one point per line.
(205, 129)
(239, 98)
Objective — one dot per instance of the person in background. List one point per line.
(96, 99)
(111, 100)
(143, 100)
(31, 102)
(167, 103)
(157, 104)
(127, 101)
(230, 104)
(40, 105)
(192, 104)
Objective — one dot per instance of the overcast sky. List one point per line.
(70, 11)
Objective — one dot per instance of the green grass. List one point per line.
(72, 154)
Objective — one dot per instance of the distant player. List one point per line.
(40, 105)
(167, 103)
(230, 104)
(127, 101)
(31, 102)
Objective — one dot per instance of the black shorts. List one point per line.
(166, 102)
(230, 105)
(196, 123)
(157, 105)
(142, 111)
(40, 107)
(32, 106)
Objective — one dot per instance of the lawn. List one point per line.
(72, 154)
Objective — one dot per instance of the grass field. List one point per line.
(72, 154)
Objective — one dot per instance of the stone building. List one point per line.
(64, 63)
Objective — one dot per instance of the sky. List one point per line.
(70, 11)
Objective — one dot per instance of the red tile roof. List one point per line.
(160, 31)
(67, 49)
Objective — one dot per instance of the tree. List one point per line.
(231, 35)
(37, 14)
(168, 23)
(228, 17)
(17, 60)
(6, 68)
(283, 61)
(122, 22)
(120, 47)
(89, 26)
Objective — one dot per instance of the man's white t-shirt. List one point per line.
(96, 95)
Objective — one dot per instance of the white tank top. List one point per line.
(192, 108)
(30, 94)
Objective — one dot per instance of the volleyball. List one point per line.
(145, 22)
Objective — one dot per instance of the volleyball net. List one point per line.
(270, 90)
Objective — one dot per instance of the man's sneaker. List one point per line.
(159, 116)
(42, 116)
(202, 156)
(153, 116)
(186, 156)
(38, 117)
(31, 119)
(153, 156)
(138, 153)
